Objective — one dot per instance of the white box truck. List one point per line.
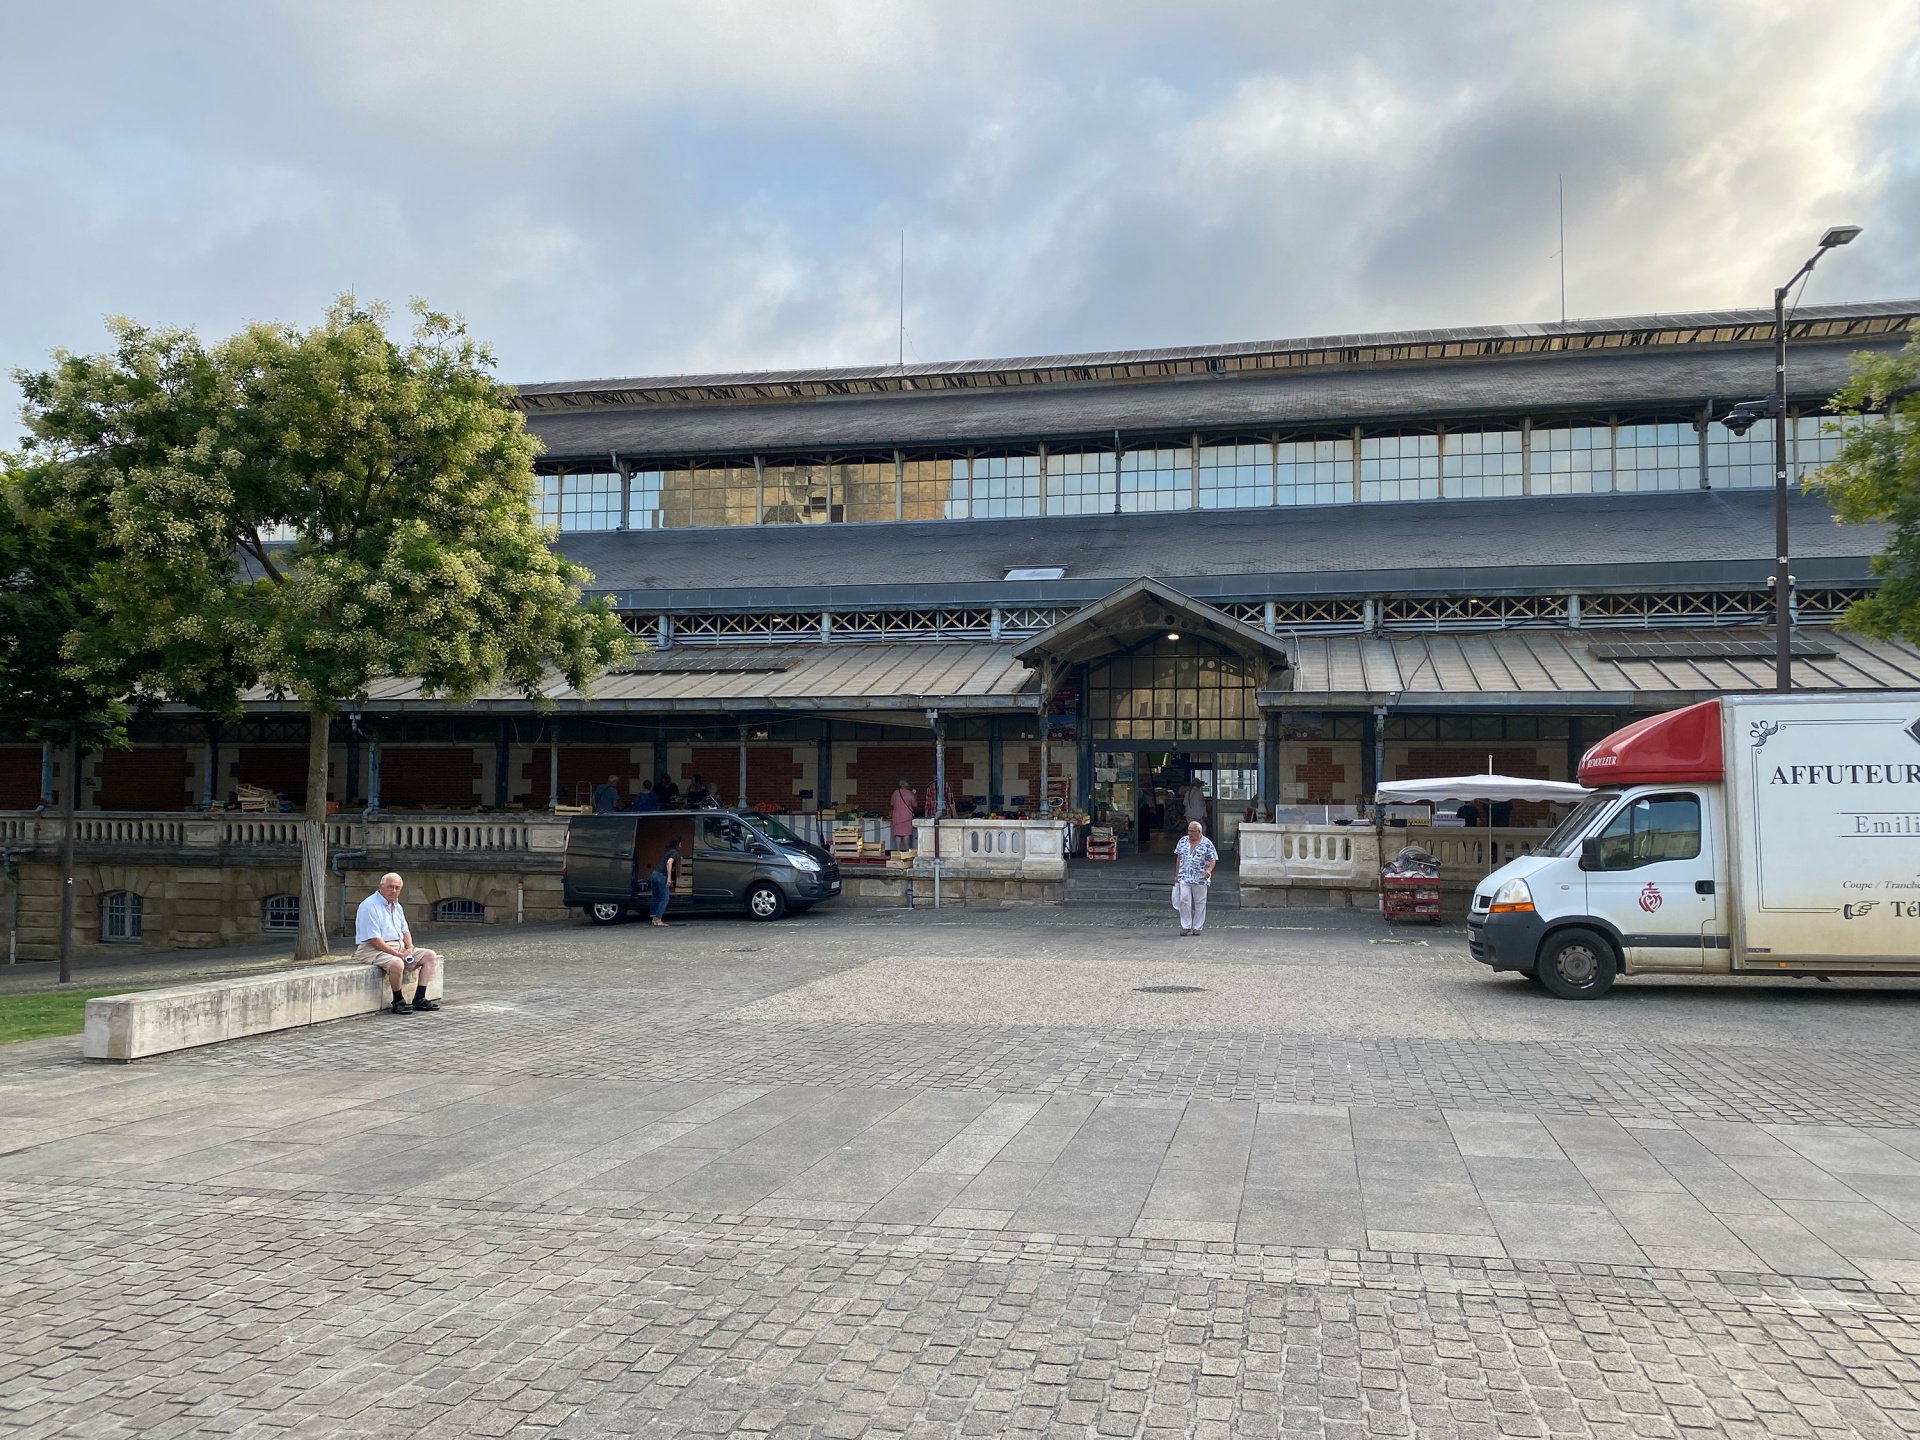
(1768, 834)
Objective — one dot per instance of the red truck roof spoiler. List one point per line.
(1681, 746)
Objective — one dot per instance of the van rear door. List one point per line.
(599, 858)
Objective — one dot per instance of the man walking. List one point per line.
(1193, 859)
(382, 939)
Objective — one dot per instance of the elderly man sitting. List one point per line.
(381, 938)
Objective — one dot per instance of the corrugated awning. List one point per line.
(1577, 669)
(844, 679)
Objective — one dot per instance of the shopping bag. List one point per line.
(1176, 897)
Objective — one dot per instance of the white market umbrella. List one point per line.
(1459, 789)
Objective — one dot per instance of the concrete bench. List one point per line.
(152, 1022)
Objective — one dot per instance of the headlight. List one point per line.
(1512, 896)
(803, 862)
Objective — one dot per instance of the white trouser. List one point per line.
(1192, 900)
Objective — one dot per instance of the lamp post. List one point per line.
(1742, 418)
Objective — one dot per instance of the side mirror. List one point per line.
(1590, 854)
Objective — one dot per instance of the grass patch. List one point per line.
(55, 1012)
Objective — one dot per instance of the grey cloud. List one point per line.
(624, 188)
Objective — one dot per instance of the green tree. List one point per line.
(47, 565)
(307, 513)
(1875, 479)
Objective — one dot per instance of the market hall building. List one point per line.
(1288, 569)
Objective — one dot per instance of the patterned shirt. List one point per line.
(1193, 859)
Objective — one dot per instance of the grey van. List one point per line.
(729, 860)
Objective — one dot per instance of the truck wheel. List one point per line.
(765, 902)
(606, 912)
(1577, 965)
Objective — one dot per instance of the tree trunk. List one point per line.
(313, 843)
(66, 853)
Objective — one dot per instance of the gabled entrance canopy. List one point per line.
(1140, 611)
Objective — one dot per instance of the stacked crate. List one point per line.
(848, 844)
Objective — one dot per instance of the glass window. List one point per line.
(1662, 456)
(645, 510)
(1400, 467)
(1235, 477)
(1652, 829)
(1156, 480)
(924, 485)
(676, 498)
(1171, 692)
(1314, 472)
(1574, 461)
(1080, 484)
(1814, 440)
(546, 501)
(731, 495)
(121, 916)
(866, 490)
(590, 502)
(1481, 463)
(724, 832)
(1005, 485)
(1740, 462)
(459, 912)
(281, 914)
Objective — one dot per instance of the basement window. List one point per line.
(281, 915)
(120, 917)
(459, 912)
(1036, 572)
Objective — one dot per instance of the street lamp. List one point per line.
(1742, 418)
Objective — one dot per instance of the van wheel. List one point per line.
(1577, 965)
(765, 902)
(606, 912)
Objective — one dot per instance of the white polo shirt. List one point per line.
(378, 920)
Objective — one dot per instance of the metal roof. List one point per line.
(1562, 669)
(1640, 382)
(1555, 543)
(843, 679)
(1810, 322)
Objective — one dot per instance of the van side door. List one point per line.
(1655, 880)
(725, 860)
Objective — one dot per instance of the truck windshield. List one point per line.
(773, 829)
(1565, 839)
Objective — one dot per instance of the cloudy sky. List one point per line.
(609, 188)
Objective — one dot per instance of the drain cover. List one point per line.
(1169, 990)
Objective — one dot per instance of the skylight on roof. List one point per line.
(1036, 572)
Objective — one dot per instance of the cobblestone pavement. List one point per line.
(881, 1174)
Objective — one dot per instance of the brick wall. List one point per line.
(1020, 769)
(774, 772)
(428, 775)
(876, 769)
(1320, 775)
(19, 777)
(282, 769)
(581, 768)
(146, 778)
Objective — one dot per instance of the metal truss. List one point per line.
(1387, 614)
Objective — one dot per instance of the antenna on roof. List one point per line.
(1563, 249)
(903, 300)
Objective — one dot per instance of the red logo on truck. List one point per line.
(1650, 898)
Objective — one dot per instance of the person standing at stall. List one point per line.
(904, 804)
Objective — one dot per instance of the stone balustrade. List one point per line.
(236, 835)
(992, 849)
(1334, 858)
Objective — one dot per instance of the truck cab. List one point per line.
(1641, 870)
